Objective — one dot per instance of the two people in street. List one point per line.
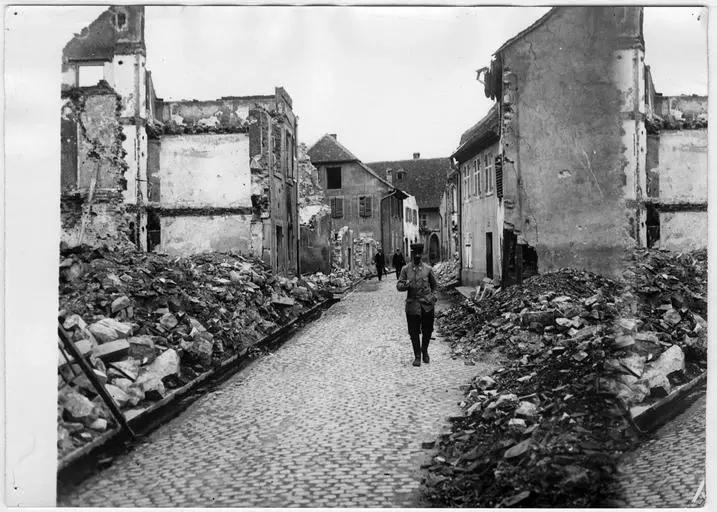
(398, 262)
(418, 280)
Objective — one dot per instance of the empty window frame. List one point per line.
(90, 75)
(489, 176)
(466, 181)
(333, 177)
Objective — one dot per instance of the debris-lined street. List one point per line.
(336, 417)
(669, 470)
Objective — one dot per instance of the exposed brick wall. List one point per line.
(91, 205)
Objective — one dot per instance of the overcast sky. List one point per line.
(389, 81)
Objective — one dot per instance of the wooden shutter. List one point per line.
(499, 176)
(337, 207)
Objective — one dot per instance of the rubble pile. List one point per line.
(338, 280)
(446, 272)
(585, 355)
(150, 323)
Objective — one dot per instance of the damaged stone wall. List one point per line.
(682, 168)
(571, 136)
(93, 170)
(314, 218)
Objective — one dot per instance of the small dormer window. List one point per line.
(400, 175)
(121, 20)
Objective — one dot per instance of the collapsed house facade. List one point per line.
(365, 210)
(179, 177)
(568, 153)
(424, 178)
(676, 204)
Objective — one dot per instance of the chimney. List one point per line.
(416, 156)
(389, 176)
(333, 135)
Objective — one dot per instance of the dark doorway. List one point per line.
(652, 222)
(154, 237)
(279, 249)
(489, 255)
(434, 249)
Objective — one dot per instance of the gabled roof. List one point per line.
(484, 131)
(328, 150)
(532, 27)
(425, 178)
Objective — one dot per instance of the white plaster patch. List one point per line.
(209, 122)
(306, 213)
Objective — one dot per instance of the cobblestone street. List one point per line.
(336, 417)
(667, 470)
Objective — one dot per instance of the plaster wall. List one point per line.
(135, 145)
(683, 165)
(410, 228)
(355, 182)
(205, 170)
(567, 164)
(683, 231)
(130, 83)
(481, 214)
(183, 236)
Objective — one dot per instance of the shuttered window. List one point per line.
(499, 176)
(337, 207)
(365, 206)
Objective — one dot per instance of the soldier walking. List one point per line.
(418, 280)
(380, 261)
(398, 262)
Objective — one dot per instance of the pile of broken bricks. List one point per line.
(446, 272)
(149, 324)
(584, 356)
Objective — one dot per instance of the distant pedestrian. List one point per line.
(380, 261)
(418, 280)
(398, 262)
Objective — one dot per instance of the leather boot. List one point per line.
(416, 342)
(424, 349)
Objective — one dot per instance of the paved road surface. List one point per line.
(336, 417)
(667, 470)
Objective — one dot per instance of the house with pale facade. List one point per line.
(366, 209)
(424, 178)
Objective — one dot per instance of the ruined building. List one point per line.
(366, 210)
(179, 177)
(424, 178)
(579, 159)
(676, 203)
(103, 130)
(554, 175)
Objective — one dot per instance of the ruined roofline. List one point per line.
(624, 41)
(119, 30)
(482, 130)
(527, 30)
(101, 88)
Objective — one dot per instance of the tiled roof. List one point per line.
(327, 149)
(485, 128)
(425, 178)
